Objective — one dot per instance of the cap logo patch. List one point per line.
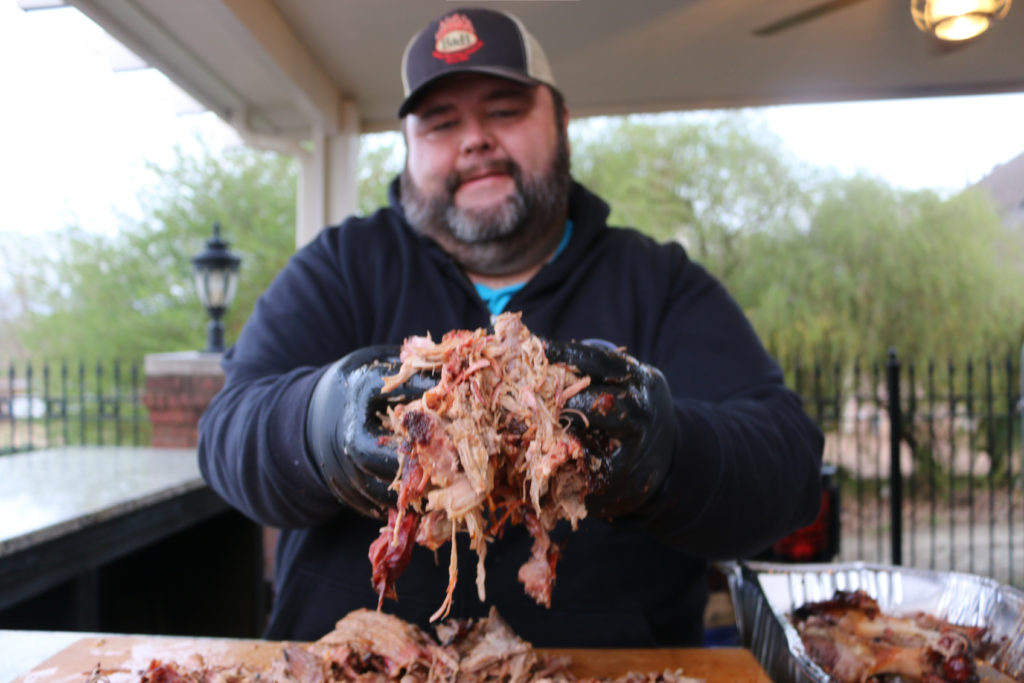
(456, 39)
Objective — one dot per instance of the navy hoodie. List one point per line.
(746, 462)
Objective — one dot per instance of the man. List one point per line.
(718, 460)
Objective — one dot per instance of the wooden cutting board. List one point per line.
(121, 658)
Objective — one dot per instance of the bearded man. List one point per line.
(717, 459)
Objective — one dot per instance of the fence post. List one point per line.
(895, 474)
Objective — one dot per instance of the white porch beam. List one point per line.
(327, 141)
(329, 179)
(314, 91)
(140, 32)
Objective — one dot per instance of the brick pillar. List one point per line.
(179, 386)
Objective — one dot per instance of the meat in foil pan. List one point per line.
(868, 622)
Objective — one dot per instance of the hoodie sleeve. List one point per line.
(747, 458)
(251, 438)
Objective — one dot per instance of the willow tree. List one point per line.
(708, 181)
(880, 267)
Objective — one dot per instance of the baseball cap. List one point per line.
(472, 40)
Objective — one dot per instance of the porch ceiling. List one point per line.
(284, 67)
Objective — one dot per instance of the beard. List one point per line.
(515, 234)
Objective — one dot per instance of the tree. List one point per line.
(132, 293)
(380, 160)
(15, 297)
(709, 182)
(880, 267)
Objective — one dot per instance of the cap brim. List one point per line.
(511, 74)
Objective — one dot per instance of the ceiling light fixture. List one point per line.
(957, 19)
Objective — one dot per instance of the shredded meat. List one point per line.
(853, 641)
(367, 642)
(483, 448)
(488, 649)
(170, 672)
(370, 646)
(390, 554)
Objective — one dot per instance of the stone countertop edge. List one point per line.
(178, 486)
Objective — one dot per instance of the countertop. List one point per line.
(122, 657)
(20, 651)
(66, 513)
(50, 493)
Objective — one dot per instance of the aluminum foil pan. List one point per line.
(764, 593)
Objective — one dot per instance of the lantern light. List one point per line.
(215, 271)
(957, 20)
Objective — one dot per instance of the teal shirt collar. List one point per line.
(497, 299)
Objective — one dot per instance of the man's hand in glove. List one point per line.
(631, 424)
(344, 435)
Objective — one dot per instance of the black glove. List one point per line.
(630, 424)
(344, 434)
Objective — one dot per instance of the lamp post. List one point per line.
(216, 274)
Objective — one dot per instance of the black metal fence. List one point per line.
(49, 404)
(928, 460)
(933, 479)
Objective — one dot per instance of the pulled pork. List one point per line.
(375, 647)
(489, 650)
(368, 645)
(483, 448)
(854, 641)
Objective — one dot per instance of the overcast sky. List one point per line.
(75, 135)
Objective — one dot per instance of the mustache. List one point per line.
(457, 178)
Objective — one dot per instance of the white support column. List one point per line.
(328, 178)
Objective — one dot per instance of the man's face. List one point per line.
(486, 170)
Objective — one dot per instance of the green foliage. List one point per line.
(827, 268)
(710, 182)
(880, 267)
(380, 160)
(15, 294)
(98, 296)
